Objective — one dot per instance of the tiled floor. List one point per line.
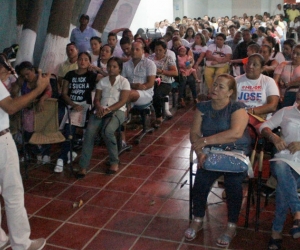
(145, 206)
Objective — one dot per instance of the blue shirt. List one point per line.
(217, 121)
(82, 39)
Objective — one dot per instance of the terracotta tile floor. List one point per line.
(144, 206)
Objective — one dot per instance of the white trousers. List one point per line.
(13, 195)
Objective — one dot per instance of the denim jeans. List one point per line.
(190, 80)
(108, 128)
(233, 187)
(286, 192)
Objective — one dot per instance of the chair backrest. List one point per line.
(46, 128)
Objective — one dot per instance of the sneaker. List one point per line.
(59, 166)
(74, 155)
(6, 245)
(268, 191)
(46, 159)
(37, 244)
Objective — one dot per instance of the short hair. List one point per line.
(260, 57)
(254, 36)
(97, 38)
(24, 65)
(125, 32)
(87, 54)
(160, 43)
(125, 40)
(262, 29)
(210, 30)
(118, 61)
(231, 84)
(254, 47)
(290, 42)
(246, 30)
(232, 26)
(107, 45)
(70, 44)
(112, 34)
(221, 35)
(177, 19)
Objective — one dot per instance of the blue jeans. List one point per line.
(108, 128)
(286, 192)
(233, 187)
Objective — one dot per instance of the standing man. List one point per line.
(278, 10)
(69, 64)
(10, 178)
(81, 35)
(140, 72)
(240, 51)
(292, 13)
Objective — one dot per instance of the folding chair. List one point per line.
(46, 126)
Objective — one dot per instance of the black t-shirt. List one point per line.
(81, 86)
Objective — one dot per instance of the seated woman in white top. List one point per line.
(259, 92)
(286, 169)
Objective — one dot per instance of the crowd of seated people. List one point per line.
(193, 52)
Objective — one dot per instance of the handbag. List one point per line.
(227, 161)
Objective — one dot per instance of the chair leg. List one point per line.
(249, 196)
(144, 116)
(259, 184)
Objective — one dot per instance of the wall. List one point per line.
(8, 21)
(151, 11)
(218, 8)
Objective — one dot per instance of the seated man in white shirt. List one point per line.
(140, 72)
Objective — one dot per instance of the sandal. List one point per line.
(195, 226)
(274, 244)
(225, 239)
(81, 173)
(295, 230)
